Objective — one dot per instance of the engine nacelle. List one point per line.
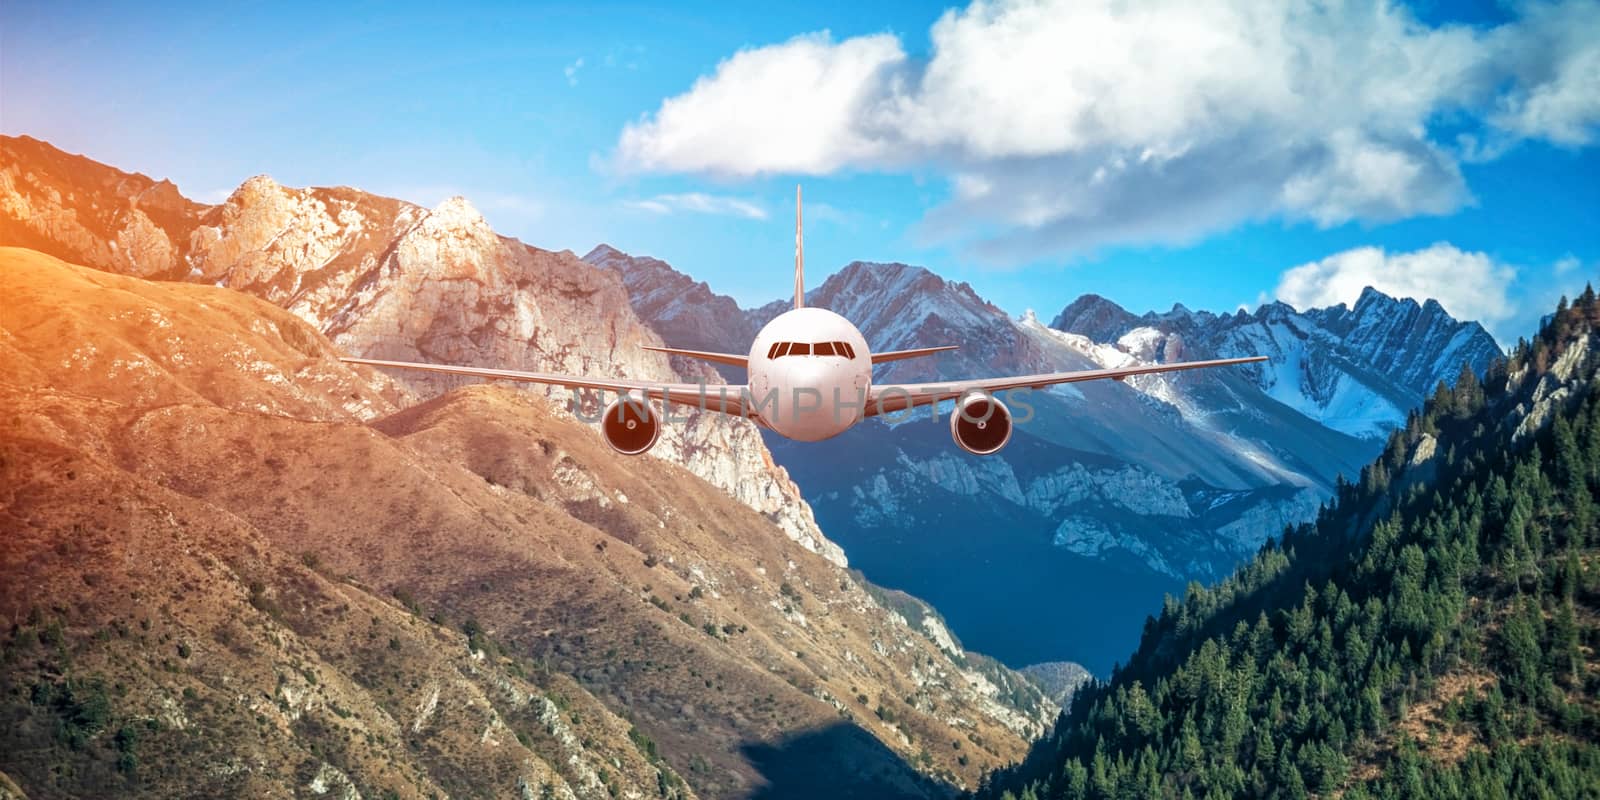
(981, 424)
(629, 426)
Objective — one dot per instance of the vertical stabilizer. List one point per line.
(799, 256)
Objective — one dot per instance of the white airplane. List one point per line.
(810, 378)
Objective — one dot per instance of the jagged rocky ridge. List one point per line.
(1357, 369)
(1114, 492)
(384, 278)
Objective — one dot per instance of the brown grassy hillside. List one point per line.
(218, 578)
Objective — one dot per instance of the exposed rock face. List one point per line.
(1415, 345)
(1095, 317)
(77, 209)
(1552, 388)
(303, 249)
(683, 311)
(386, 279)
(1060, 679)
(1358, 370)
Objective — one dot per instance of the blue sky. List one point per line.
(1037, 153)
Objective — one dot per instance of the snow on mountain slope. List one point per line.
(1357, 370)
(1110, 494)
(1419, 344)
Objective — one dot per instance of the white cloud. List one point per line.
(1470, 285)
(1067, 125)
(1554, 58)
(699, 203)
(571, 71)
(793, 107)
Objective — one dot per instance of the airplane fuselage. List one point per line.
(802, 382)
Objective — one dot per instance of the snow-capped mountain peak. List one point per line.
(1356, 369)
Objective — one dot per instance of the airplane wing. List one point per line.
(720, 358)
(715, 397)
(898, 355)
(885, 399)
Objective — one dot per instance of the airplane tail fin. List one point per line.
(799, 256)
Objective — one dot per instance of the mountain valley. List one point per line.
(1113, 493)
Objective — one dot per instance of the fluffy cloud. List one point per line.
(1554, 60)
(1469, 285)
(794, 107)
(1066, 125)
(699, 203)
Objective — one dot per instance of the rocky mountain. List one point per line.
(89, 213)
(1357, 370)
(235, 566)
(384, 279)
(1430, 634)
(679, 308)
(1059, 679)
(1112, 493)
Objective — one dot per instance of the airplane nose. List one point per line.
(808, 409)
(805, 371)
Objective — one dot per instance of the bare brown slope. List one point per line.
(733, 647)
(160, 645)
(163, 647)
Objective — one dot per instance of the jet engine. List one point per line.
(629, 426)
(980, 424)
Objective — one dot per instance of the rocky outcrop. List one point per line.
(78, 209)
(1554, 388)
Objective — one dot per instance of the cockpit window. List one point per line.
(781, 349)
